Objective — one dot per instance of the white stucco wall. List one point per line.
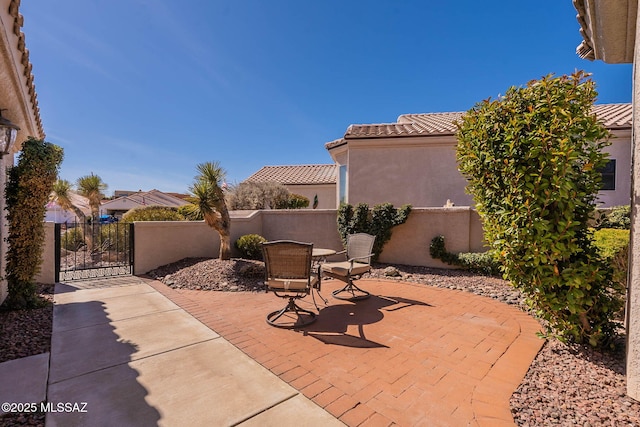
(423, 171)
(419, 171)
(326, 194)
(620, 150)
(633, 286)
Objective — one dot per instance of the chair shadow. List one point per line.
(333, 321)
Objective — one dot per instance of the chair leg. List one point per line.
(292, 307)
(351, 292)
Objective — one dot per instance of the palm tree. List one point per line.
(61, 195)
(207, 201)
(92, 187)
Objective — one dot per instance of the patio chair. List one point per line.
(288, 275)
(358, 253)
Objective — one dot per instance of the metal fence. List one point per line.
(93, 250)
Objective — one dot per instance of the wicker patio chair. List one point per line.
(289, 275)
(359, 252)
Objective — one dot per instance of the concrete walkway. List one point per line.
(137, 359)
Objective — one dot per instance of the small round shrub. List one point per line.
(297, 201)
(250, 247)
(73, 239)
(153, 213)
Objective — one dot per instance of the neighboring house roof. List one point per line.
(613, 116)
(77, 200)
(143, 198)
(608, 29)
(80, 202)
(296, 175)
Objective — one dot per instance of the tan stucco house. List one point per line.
(414, 160)
(310, 181)
(610, 30)
(18, 102)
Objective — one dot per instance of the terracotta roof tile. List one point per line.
(18, 22)
(301, 174)
(614, 116)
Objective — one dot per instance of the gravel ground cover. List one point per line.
(26, 333)
(567, 385)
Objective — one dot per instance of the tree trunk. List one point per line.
(225, 245)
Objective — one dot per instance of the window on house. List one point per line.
(343, 184)
(609, 175)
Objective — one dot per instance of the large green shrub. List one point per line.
(258, 195)
(28, 187)
(153, 213)
(377, 221)
(250, 246)
(264, 195)
(476, 262)
(532, 160)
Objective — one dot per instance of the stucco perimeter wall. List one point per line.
(317, 226)
(163, 242)
(160, 243)
(47, 272)
(409, 244)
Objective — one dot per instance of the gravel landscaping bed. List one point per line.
(26, 333)
(567, 385)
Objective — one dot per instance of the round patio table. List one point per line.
(322, 253)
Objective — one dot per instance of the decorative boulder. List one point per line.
(391, 272)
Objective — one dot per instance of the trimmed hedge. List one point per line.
(153, 213)
(613, 245)
(476, 262)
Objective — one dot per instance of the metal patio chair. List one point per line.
(289, 275)
(359, 252)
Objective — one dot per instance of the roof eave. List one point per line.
(608, 29)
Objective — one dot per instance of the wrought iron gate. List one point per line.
(87, 251)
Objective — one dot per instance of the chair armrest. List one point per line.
(352, 260)
(360, 257)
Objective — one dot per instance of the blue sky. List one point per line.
(141, 91)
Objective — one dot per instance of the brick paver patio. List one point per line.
(409, 355)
